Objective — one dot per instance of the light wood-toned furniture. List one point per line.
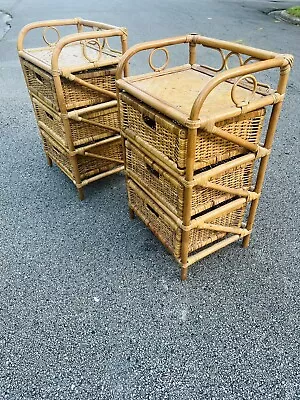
(71, 81)
(192, 134)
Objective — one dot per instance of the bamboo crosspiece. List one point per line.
(192, 137)
(71, 82)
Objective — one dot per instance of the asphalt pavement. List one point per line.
(91, 304)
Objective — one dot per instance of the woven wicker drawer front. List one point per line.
(153, 128)
(41, 84)
(83, 131)
(167, 230)
(170, 139)
(162, 185)
(88, 165)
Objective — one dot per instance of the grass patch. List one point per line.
(294, 11)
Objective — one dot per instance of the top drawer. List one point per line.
(41, 84)
(167, 139)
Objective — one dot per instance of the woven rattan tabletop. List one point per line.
(72, 55)
(179, 89)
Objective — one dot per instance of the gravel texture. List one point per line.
(91, 305)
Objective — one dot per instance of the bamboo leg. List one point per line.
(184, 272)
(284, 74)
(49, 161)
(80, 193)
(131, 213)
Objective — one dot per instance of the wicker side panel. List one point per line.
(40, 83)
(89, 165)
(77, 95)
(211, 149)
(235, 178)
(202, 237)
(153, 128)
(84, 132)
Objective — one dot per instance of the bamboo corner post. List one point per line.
(173, 107)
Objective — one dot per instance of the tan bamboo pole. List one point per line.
(187, 202)
(226, 189)
(88, 121)
(96, 107)
(213, 172)
(124, 49)
(102, 175)
(283, 80)
(192, 50)
(218, 212)
(227, 229)
(145, 46)
(259, 54)
(92, 24)
(93, 155)
(64, 114)
(82, 82)
(41, 24)
(233, 138)
(212, 249)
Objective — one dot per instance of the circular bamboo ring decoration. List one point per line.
(155, 69)
(92, 42)
(45, 30)
(233, 53)
(244, 102)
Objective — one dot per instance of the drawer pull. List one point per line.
(152, 171)
(49, 115)
(39, 78)
(149, 122)
(152, 210)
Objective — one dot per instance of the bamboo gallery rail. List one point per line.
(192, 136)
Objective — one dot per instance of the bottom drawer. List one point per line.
(169, 230)
(95, 159)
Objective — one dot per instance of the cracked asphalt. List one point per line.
(91, 304)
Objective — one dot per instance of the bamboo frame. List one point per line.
(193, 121)
(104, 31)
